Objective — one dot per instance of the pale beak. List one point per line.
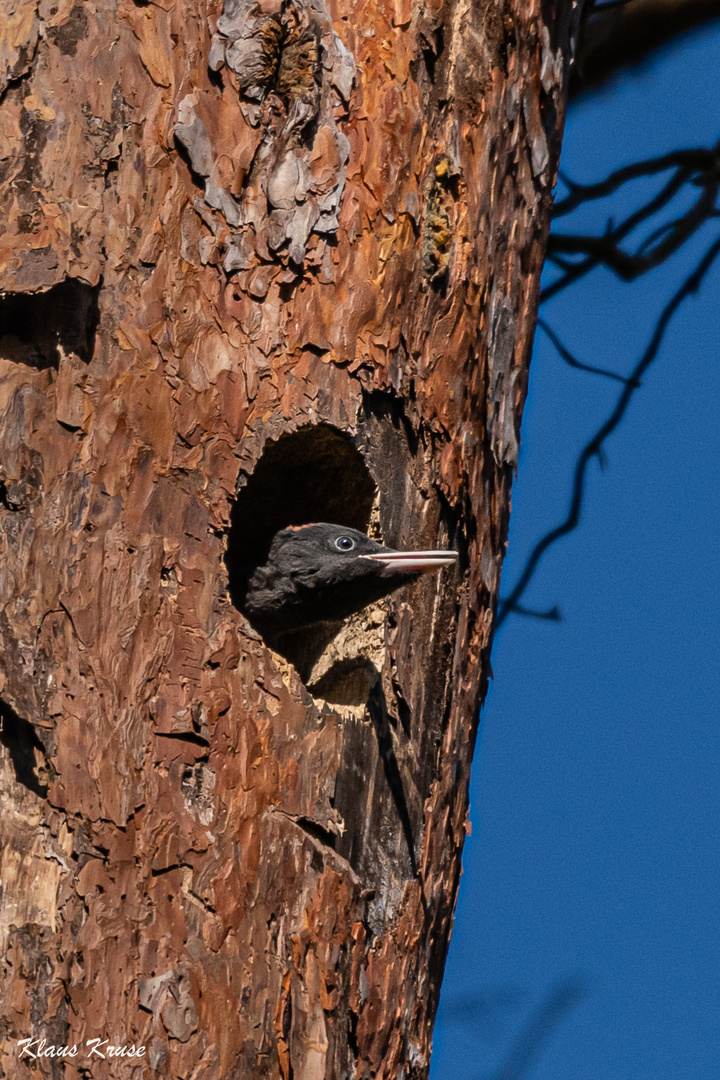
(413, 561)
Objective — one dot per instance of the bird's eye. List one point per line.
(345, 543)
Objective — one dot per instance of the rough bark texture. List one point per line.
(262, 263)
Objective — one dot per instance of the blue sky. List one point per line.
(594, 861)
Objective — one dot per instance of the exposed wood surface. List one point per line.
(219, 226)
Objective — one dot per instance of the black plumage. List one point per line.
(323, 573)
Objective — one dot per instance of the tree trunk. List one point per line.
(263, 263)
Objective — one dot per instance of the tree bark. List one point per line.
(262, 263)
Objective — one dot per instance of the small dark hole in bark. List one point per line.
(34, 326)
(352, 1034)
(287, 1018)
(21, 742)
(111, 168)
(439, 284)
(432, 51)
(430, 59)
(314, 474)
(318, 832)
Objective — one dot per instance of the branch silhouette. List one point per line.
(559, 1001)
(573, 362)
(693, 164)
(485, 1013)
(594, 447)
(578, 254)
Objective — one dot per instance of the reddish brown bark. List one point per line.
(290, 250)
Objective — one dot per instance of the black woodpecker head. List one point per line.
(323, 573)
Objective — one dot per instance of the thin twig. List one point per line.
(605, 250)
(573, 362)
(552, 614)
(699, 160)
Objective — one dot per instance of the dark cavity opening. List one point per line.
(34, 326)
(19, 738)
(310, 475)
(432, 49)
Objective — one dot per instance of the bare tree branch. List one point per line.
(558, 1002)
(693, 163)
(594, 447)
(573, 362)
(549, 615)
(578, 254)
